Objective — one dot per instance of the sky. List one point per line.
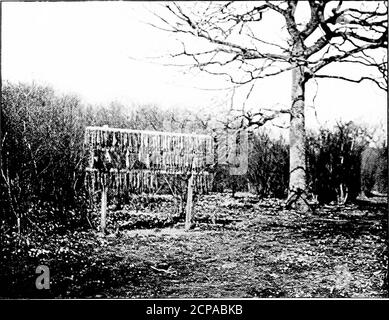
(100, 51)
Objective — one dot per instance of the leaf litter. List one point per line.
(239, 247)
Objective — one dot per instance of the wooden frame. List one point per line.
(184, 168)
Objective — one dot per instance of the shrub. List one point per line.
(42, 137)
(334, 162)
(269, 165)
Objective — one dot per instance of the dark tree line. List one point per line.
(42, 154)
(341, 165)
(43, 158)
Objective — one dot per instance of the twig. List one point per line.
(163, 270)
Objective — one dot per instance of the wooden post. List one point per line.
(189, 199)
(103, 208)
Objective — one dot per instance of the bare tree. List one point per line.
(236, 47)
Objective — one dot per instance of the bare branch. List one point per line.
(348, 34)
(381, 85)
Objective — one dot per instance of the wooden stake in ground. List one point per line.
(189, 204)
(103, 221)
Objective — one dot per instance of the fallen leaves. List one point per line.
(240, 247)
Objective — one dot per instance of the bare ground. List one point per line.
(239, 247)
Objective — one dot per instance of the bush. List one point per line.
(269, 166)
(339, 164)
(334, 162)
(374, 169)
(42, 136)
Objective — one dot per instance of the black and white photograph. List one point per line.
(194, 150)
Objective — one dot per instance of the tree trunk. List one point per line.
(297, 138)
